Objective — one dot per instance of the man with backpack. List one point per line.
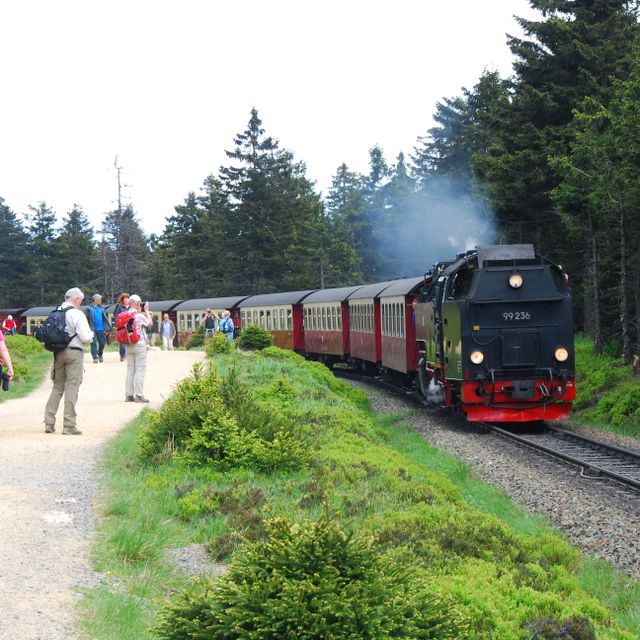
(226, 325)
(67, 359)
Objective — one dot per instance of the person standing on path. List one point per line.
(168, 332)
(99, 324)
(137, 353)
(121, 305)
(67, 369)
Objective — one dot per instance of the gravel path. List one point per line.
(599, 516)
(47, 486)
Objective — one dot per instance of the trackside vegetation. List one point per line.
(608, 391)
(322, 520)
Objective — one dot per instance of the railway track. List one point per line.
(596, 458)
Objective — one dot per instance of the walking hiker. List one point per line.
(99, 324)
(168, 332)
(67, 369)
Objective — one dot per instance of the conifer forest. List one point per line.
(548, 156)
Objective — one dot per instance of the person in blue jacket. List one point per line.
(99, 324)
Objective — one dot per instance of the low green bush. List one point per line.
(254, 338)
(196, 339)
(169, 428)
(310, 581)
(216, 344)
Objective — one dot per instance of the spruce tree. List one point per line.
(274, 216)
(15, 261)
(43, 252)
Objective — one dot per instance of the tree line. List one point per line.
(549, 156)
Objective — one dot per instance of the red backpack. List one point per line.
(126, 328)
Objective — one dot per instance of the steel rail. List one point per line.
(617, 463)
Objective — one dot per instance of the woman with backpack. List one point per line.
(121, 305)
(137, 351)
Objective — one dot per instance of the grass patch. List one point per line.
(369, 498)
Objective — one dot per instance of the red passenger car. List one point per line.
(278, 313)
(398, 324)
(326, 324)
(365, 325)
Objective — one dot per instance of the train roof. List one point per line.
(38, 311)
(370, 290)
(196, 304)
(156, 305)
(339, 294)
(12, 312)
(268, 299)
(402, 287)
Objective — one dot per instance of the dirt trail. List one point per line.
(47, 487)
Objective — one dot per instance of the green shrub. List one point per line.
(171, 426)
(23, 345)
(254, 338)
(196, 339)
(218, 343)
(310, 582)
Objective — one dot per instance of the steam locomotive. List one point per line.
(495, 336)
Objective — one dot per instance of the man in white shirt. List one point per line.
(68, 366)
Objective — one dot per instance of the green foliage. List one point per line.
(253, 338)
(196, 339)
(606, 389)
(21, 349)
(218, 343)
(170, 427)
(310, 581)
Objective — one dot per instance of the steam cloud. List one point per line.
(427, 227)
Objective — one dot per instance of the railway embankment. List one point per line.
(321, 518)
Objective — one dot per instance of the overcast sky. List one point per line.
(165, 86)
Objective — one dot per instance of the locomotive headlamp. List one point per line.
(477, 357)
(515, 280)
(561, 354)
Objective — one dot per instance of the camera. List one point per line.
(5, 379)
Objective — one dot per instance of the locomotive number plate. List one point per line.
(509, 316)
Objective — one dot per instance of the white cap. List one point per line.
(135, 298)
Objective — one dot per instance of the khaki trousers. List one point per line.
(67, 377)
(136, 368)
